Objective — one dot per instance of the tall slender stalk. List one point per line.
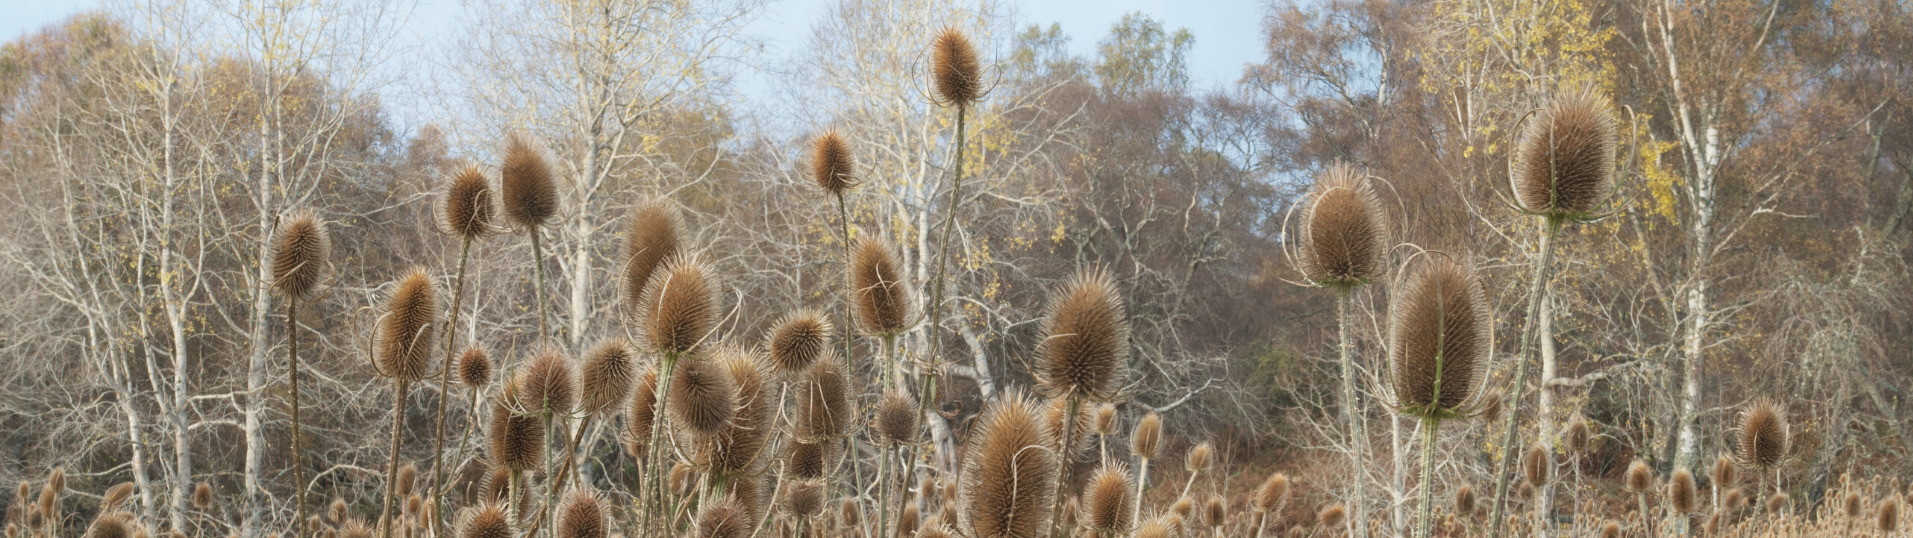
(943, 255)
(565, 471)
(469, 428)
(292, 373)
(1551, 228)
(538, 268)
(1072, 405)
(850, 290)
(1425, 515)
(654, 497)
(1142, 483)
(445, 386)
(392, 460)
(1352, 415)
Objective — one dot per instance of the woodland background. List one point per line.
(1758, 247)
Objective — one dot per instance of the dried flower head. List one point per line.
(807, 460)
(737, 446)
(1146, 441)
(1344, 230)
(908, 520)
(474, 367)
(652, 234)
(299, 253)
(1157, 527)
(727, 518)
(337, 511)
(638, 416)
(849, 513)
(547, 385)
(526, 184)
(1778, 502)
(116, 525)
(1085, 347)
(1465, 501)
(1681, 492)
(679, 309)
(581, 516)
(407, 330)
(1440, 340)
(1611, 530)
(798, 340)
(823, 401)
(1724, 471)
(1109, 499)
(1184, 507)
(703, 397)
(1216, 511)
(1735, 498)
(517, 439)
(1564, 165)
(882, 299)
(408, 476)
(468, 204)
(959, 78)
(1332, 516)
(1853, 505)
(1272, 492)
(1577, 436)
(1201, 458)
(1765, 437)
(487, 522)
(1105, 419)
(1639, 477)
(1535, 465)
(202, 496)
(1491, 407)
(896, 420)
(831, 164)
(607, 373)
(803, 498)
(1888, 515)
(1009, 472)
(124, 490)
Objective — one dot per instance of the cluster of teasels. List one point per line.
(734, 439)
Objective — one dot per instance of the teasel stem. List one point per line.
(883, 490)
(1352, 414)
(943, 260)
(392, 460)
(538, 268)
(1425, 516)
(512, 494)
(654, 498)
(565, 472)
(292, 374)
(1142, 483)
(1552, 227)
(923, 399)
(850, 290)
(1072, 405)
(445, 385)
(551, 494)
(1647, 521)
(469, 428)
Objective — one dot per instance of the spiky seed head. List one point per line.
(949, 497)
(1577, 436)
(487, 522)
(414, 506)
(1888, 515)
(896, 420)
(1085, 346)
(117, 525)
(300, 250)
(639, 414)
(1156, 527)
(1344, 230)
(406, 332)
(548, 383)
(1105, 419)
(652, 235)
(1009, 472)
(726, 518)
(35, 517)
(1853, 506)
(1611, 530)
(1765, 437)
(1535, 465)
(1778, 501)
(909, 520)
(1332, 516)
(807, 460)
(1269, 496)
(936, 528)
(739, 446)
(1109, 499)
(803, 498)
(1146, 441)
(408, 475)
(25, 493)
(1440, 339)
(581, 516)
(1491, 407)
(337, 511)
(849, 513)
(703, 397)
(1200, 458)
(517, 440)
(1465, 501)
(351, 529)
(119, 493)
(50, 495)
(1184, 507)
(954, 65)
(202, 496)
(1639, 477)
(1216, 511)
(1681, 492)
(606, 374)
(882, 298)
(1712, 527)
(683, 478)
(1724, 471)
(468, 204)
(798, 340)
(1080, 443)
(1564, 165)
(680, 305)
(831, 164)
(823, 401)
(1735, 498)
(526, 184)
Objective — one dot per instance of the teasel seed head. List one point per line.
(115, 525)
(909, 520)
(351, 529)
(1085, 348)
(683, 479)
(581, 516)
(703, 397)
(935, 528)
(408, 475)
(124, 490)
(1491, 407)
(954, 64)
(474, 367)
(1109, 499)
(726, 518)
(1564, 165)
(414, 506)
(1611, 530)
(1681, 492)
(488, 521)
(1332, 516)
(896, 420)
(526, 184)
(1157, 527)
(831, 164)
(1888, 515)
(823, 401)
(798, 340)
(803, 498)
(1577, 436)
(337, 511)
(35, 516)
(1216, 511)
(1271, 493)
(1764, 436)
(468, 204)
(1536, 464)
(652, 235)
(1724, 471)
(1712, 527)
(807, 460)
(882, 299)
(1440, 340)
(517, 440)
(679, 310)
(1778, 502)
(548, 383)
(1344, 230)
(739, 445)
(1639, 477)
(202, 496)
(406, 333)
(1184, 507)
(1200, 458)
(849, 513)
(1853, 506)
(1105, 419)
(1465, 501)
(1080, 441)
(300, 250)
(1146, 441)
(1009, 472)
(638, 416)
(1734, 499)
(607, 373)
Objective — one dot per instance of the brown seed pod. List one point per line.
(1009, 474)
(882, 299)
(202, 496)
(726, 518)
(1712, 527)
(1465, 501)
(909, 520)
(1724, 471)
(407, 330)
(337, 511)
(1109, 499)
(408, 475)
(487, 522)
(1216, 511)
(807, 460)
(1440, 339)
(1184, 508)
(1332, 516)
(1639, 477)
(468, 204)
(124, 490)
(803, 498)
(702, 397)
(300, 250)
(1269, 496)
(831, 164)
(954, 65)
(1577, 436)
(1764, 437)
(1146, 441)
(849, 513)
(581, 516)
(639, 414)
(1564, 164)
(414, 506)
(1853, 505)
(526, 184)
(1105, 419)
(116, 525)
(823, 401)
(680, 306)
(606, 374)
(1611, 530)
(1200, 458)
(517, 439)
(1085, 348)
(351, 529)
(799, 339)
(1888, 515)
(547, 383)
(1735, 498)
(935, 528)
(1053, 412)
(1344, 230)
(683, 478)
(1536, 464)
(652, 235)
(738, 446)
(1491, 408)
(1681, 492)
(1157, 527)
(474, 367)
(1778, 502)
(896, 420)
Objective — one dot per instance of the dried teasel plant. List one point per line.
(1009, 472)
(955, 68)
(582, 516)
(882, 299)
(896, 420)
(823, 409)
(798, 340)
(652, 236)
(1440, 343)
(726, 518)
(1764, 440)
(528, 190)
(403, 352)
(1639, 480)
(1085, 348)
(740, 445)
(517, 439)
(1109, 500)
(832, 166)
(300, 249)
(679, 310)
(1681, 492)
(702, 397)
(640, 414)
